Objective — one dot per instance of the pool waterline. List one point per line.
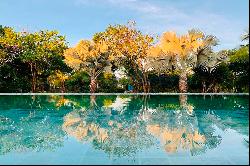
(96, 94)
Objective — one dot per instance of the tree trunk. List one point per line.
(147, 86)
(63, 86)
(92, 101)
(216, 88)
(93, 84)
(203, 86)
(137, 78)
(183, 101)
(146, 83)
(33, 73)
(135, 83)
(183, 82)
(210, 86)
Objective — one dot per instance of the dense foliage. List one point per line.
(42, 62)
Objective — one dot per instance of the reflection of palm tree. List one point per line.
(177, 138)
(184, 104)
(222, 113)
(177, 127)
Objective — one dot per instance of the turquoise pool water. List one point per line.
(112, 129)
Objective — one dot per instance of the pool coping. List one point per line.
(98, 94)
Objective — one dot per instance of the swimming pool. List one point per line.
(124, 129)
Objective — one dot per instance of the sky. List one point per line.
(80, 19)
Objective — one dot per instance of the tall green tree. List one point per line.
(39, 49)
(13, 72)
(239, 65)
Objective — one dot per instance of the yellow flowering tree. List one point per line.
(182, 53)
(90, 56)
(128, 48)
(182, 50)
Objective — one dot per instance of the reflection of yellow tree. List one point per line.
(74, 126)
(119, 134)
(172, 139)
(61, 101)
(114, 136)
(107, 102)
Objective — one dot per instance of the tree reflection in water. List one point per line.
(121, 125)
(177, 128)
(29, 128)
(129, 124)
(109, 126)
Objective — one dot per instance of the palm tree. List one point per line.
(245, 36)
(182, 53)
(209, 64)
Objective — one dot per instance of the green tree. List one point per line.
(13, 72)
(107, 83)
(239, 65)
(165, 82)
(123, 83)
(78, 82)
(39, 49)
(218, 79)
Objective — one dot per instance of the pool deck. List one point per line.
(25, 94)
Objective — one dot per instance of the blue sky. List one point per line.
(80, 19)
